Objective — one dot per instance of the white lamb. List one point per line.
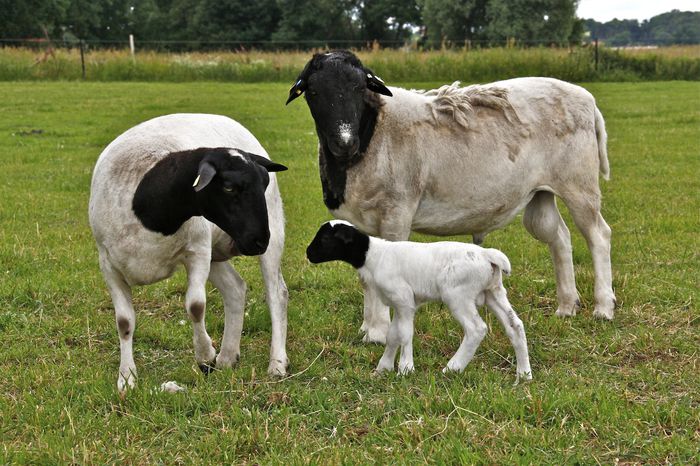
(407, 274)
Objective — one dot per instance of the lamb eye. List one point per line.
(227, 189)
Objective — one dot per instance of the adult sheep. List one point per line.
(461, 161)
(189, 189)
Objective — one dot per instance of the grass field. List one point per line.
(626, 390)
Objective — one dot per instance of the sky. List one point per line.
(605, 10)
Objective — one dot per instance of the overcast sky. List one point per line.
(605, 10)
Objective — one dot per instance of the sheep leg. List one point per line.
(405, 317)
(376, 316)
(474, 331)
(497, 301)
(125, 316)
(386, 363)
(543, 221)
(233, 289)
(195, 302)
(585, 210)
(276, 295)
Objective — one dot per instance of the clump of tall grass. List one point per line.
(475, 65)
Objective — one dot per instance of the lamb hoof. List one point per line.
(207, 367)
(406, 370)
(568, 311)
(452, 368)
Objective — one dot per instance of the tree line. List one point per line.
(307, 23)
(674, 27)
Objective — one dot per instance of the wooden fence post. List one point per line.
(596, 54)
(82, 56)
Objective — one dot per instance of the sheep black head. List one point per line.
(230, 192)
(338, 240)
(340, 93)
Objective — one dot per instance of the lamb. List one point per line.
(407, 274)
(191, 189)
(461, 160)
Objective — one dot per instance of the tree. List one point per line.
(388, 20)
(453, 20)
(316, 22)
(532, 21)
(236, 20)
(30, 18)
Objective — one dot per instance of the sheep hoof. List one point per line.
(278, 368)
(604, 313)
(207, 367)
(224, 362)
(406, 370)
(374, 335)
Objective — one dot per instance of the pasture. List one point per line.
(626, 390)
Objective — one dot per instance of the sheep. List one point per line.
(408, 274)
(461, 160)
(191, 189)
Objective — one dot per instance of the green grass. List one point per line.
(625, 390)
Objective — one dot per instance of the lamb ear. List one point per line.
(297, 89)
(204, 176)
(375, 83)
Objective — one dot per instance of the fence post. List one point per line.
(596, 54)
(131, 46)
(82, 56)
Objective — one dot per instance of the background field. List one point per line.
(466, 64)
(603, 391)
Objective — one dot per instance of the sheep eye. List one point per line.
(227, 189)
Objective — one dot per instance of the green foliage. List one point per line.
(675, 27)
(532, 21)
(603, 392)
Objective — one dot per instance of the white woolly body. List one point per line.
(463, 276)
(458, 168)
(431, 270)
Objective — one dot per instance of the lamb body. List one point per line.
(406, 274)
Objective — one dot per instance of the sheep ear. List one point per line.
(204, 176)
(375, 83)
(297, 89)
(267, 164)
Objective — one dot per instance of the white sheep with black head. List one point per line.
(461, 160)
(192, 190)
(407, 274)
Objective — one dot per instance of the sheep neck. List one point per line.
(165, 199)
(333, 171)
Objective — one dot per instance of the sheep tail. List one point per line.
(498, 259)
(602, 137)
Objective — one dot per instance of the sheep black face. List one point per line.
(339, 91)
(230, 192)
(338, 240)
